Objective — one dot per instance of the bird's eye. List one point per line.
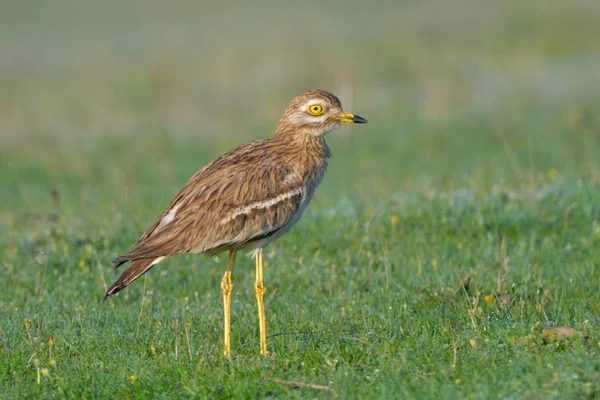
(316, 109)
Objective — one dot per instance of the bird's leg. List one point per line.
(227, 288)
(259, 291)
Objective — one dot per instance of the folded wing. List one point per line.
(230, 202)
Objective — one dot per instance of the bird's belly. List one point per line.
(252, 247)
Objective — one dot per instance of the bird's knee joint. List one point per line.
(260, 289)
(226, 286)
(227, 289)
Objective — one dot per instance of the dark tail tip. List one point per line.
(133, 271)
(111, 290)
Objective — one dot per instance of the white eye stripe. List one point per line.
(313, 102)
(307, 118)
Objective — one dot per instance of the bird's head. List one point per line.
(314, 112)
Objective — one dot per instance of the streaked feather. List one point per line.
(242, 200)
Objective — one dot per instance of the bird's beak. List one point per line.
(347, 117)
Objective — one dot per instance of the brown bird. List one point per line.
(244, 199)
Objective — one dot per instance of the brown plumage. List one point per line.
(246, 198)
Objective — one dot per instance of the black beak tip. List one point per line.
(359, 120)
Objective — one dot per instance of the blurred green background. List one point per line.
(120, 102)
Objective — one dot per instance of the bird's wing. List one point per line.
(242, 196)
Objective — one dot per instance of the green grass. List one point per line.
(446, 236)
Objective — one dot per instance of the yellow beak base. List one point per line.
(348, 117)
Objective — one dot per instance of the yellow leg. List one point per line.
(259, 291)
(227, 288)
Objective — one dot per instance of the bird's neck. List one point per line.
(308, 155)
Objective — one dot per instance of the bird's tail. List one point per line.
(133, 271)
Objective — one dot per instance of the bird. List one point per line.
(244, 200)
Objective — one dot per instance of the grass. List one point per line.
(448, 235)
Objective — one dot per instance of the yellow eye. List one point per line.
(316, 109)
